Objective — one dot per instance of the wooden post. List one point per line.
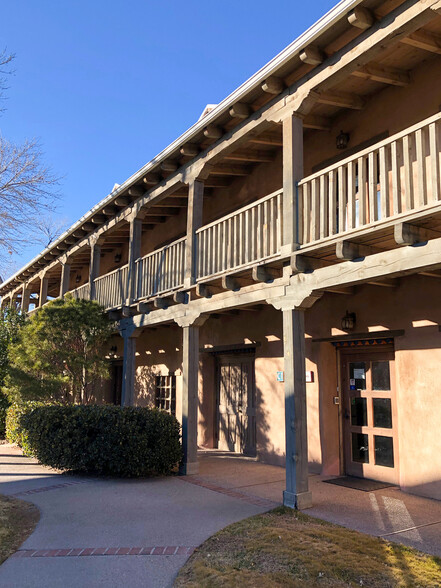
(42, 298)
(25, 297)
(134, 254)
(292, 173)
(190, 369)
(194, 222)
(65, 277)
(94, 268)
(297, 494)
(129, 364)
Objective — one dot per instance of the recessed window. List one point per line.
(165, 394)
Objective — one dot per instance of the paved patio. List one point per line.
(106, 532)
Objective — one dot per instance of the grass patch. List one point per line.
(17, 521)
(290, 549)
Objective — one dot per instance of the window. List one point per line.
(165, 394)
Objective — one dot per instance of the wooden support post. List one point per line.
(134, 254)
(129, 363)
(25, 297)
(94, 268)
(297, 494)
(194, 222)
(292, 173)
(42, 299)
(190, 370)
(65, 277)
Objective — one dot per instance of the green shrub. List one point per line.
(4, 404)
(109, 440)
(14, 425)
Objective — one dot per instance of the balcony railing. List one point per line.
(250, 235)
(82, 292)
(162, 270)
(111, 289)
(394, 177)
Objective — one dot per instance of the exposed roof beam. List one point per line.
(273, 85)
(252, 156)
(424, 40)
(341, 99)
(213, 132)
(386, 75)
(189, 150)
(169, 166)
(267, 140)
(240, 110)
(362, 18)
(151, 179)
(321, 123)
(312, 55)
(230, 170)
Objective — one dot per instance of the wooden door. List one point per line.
(236, 404)
(370, 415)
(117, 372)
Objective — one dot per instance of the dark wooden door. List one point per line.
(236, 404)
(370, 415)
(117, 371)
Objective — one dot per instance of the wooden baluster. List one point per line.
(323, 203)
(420, 193)
(434, 160)
(332, 203)
(384, 181)
(408, 172)
(362, 212)
(306, 213)
(314, 211)
(279, 221)
(259, 231)
(351, 195)
(372, 186)
(396, 177)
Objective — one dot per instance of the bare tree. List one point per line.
(49, 228)
(28, 189)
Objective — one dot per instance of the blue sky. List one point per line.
(107, 85)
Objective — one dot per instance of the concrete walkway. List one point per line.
(111, 532)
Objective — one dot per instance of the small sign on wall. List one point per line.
(280, 376)
(309, 377)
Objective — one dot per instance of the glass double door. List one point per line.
(369, 415)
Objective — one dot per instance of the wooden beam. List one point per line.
(349, 251)
(301, 264)
(161, 303)
(362, 18)
(143, 307)
(189, 150)
(252, 156)
(265, 139)
(136, 192)
(172, 203)
(98, 219)
(321, 123)
(151, 179)
(230, 170)
(218, 182)
(312, 55)
(408, 234)
(262, 273)
(161, 211)
(122, 201)
(424, 40)
(342, 99)
(385, 283)
(230, 283)
(385, 75)
(240, 110)
(169, 166)
(273, 85)
(109, 210)
(180, 297)
(213, 132)
(88, 227)
(203, 291)
(345, 290)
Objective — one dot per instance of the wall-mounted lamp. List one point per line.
(117, 257)
(342, 140)
(348, 321)
(77, 279)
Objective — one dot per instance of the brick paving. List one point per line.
(102, 551)
(49, 488)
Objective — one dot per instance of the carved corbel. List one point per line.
(193, 319)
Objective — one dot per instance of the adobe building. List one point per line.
(275, 273)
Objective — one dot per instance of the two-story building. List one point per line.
(275, 272)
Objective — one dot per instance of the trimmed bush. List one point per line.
(4, 404)
(110, 440)
(14, 426)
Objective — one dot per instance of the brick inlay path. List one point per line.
(92, 551)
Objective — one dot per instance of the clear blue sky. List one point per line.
(107, 85)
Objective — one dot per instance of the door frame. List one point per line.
(229, 354)
(368, 351)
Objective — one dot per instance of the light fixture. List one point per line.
(78, 279)
(117, 257)
(348, 321)
(342, 140)
(113, 349)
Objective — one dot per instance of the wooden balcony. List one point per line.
(161, 271)
(111, 289)
(82, 292)
(396, 179)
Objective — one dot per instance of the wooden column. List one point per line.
(190, 370)
(129, 364)
(194, 222)
(25, 297)
(297, 494)
(292, 173)
(42, 298)
(65, 277)
(134, 254)
(94, 267)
